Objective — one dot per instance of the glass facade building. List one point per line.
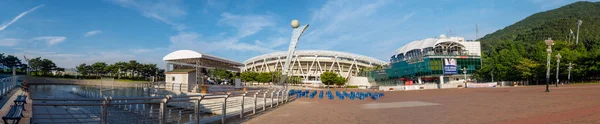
(432, 60)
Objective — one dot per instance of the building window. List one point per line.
(173, 78)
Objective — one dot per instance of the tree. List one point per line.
(329, 78)
(11, 61)
(527, 68)
(84, 69)
(264, 77)
(340, 81)
(248, 76)
(47, 66)
(99, 68)
(221, 74)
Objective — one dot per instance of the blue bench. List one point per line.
(15, 113)
(21, 100)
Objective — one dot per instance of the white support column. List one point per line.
(262, 66)
(281, 64)
(357, 69)
(333, 63)
(277, 63)
(291, 67)
(311, 65)
(300, 66)
(420, 81)
(319, 64)
(253, 66)
(350, 69)
(339, 68)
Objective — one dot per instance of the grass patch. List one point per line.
(351, 86)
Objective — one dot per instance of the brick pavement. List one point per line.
(565, 104)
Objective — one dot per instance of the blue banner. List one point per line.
(450, 66)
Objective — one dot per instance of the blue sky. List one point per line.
(71, 32)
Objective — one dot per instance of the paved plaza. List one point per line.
(509, 105)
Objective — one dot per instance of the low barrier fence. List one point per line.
(209, 108)
(7, 84)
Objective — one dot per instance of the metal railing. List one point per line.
(197, 109)
(7, 84)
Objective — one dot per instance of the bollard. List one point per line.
(243, 101)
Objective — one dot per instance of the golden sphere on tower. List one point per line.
(295, 23)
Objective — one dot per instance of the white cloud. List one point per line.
(357, 27)
(193, 41)
(92, 33)
(51, 39)
(9, 42)
(3, 26)
(247, 24)
(162, 11)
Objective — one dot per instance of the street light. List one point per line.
(557, 67)
(549, 43)
(465, 73)
(578, 24)
(569, 77)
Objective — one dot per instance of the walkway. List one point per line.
(566, 104)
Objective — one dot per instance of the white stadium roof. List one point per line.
(189, 54)
(428, 42)
(317, 52)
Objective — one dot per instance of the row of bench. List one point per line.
(16, 111)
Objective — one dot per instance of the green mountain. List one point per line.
(553, 24)
(518, 52)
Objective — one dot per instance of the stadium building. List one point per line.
(309, 64)
(431, 60)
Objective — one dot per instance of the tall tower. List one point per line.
(296, 33)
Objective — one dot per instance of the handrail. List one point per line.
(233, 103)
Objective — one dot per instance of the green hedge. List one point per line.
(351, 86)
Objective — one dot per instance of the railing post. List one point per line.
(106, 115)
(272, 93)
(278, 92)
(264, 99)
(224, 113)
(254, 110)
(102, 113)
(243, 101)
(163, 109)
(198, 109)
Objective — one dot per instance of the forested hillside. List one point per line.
(517, 52)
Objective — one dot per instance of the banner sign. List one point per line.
(450, 66)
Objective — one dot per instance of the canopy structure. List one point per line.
(188, 59)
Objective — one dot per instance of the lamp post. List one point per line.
(549, 43)
(569, 77)
(578, 24)
(465, 73)
(557, 67)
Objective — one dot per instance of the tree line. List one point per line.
(120, 70)
(327, 78)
